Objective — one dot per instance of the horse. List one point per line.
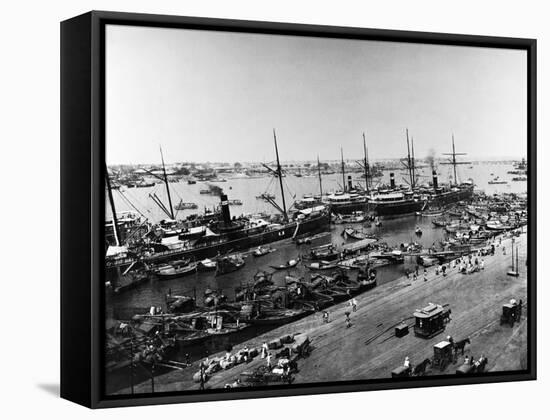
(420, 369)
(459, 345)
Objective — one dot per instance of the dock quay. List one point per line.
(369, 348)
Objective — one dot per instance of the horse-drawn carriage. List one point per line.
(511, 312)
(431, 320)
(401, 372)
(475, 366)
(443, 355)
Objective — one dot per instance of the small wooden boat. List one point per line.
(185, 206)
(418, 231)
(497, 180)
(235, 202)
(345, 283)
(324, 252)
(335, 293)
(207, 264)
(440, 222)
(229, 264)
(262, 250)
(277, 316)
(322, 265)
(289, 264)
(303, 241)
(176, 269)
(214, 299)
(354, 263)
(355, 217)
(180, 304)
(431, 213)
(367, 278)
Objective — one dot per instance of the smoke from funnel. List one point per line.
(430, 159)
(214, 189)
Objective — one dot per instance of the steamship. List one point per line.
(216, 235)
(231, 234)
(395, 202)
(442, 196)
(347, 201)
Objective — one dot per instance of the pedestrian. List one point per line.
(187, 359)
(443, 270)
(269, 360)
(264, 350)
(425, 276)
(325, 317)
(201, 375)
(503, 250)
(354, 304)
(416, 270)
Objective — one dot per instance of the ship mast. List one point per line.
(343, 169)
(413, 164)
(409, 166)
(167, 187)
(366, 164)
(280, 175)
(320, 180)
(113, 210)
(452, 160)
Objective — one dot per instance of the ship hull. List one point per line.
(396, 208)
(348, 208)
(452, 197)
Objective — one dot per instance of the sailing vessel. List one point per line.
(454, 193)
(227, 234)
(399, 201)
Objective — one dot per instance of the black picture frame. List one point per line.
(83, 203)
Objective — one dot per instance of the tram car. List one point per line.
(431, 320)
(511, 312)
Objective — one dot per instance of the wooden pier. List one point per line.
(369, 348)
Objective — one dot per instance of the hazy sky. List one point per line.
(216, 96)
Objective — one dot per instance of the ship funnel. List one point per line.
(350, 184)
(434, 174)
(225, 209)
(392, 181)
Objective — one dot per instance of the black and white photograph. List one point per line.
(293, 210)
